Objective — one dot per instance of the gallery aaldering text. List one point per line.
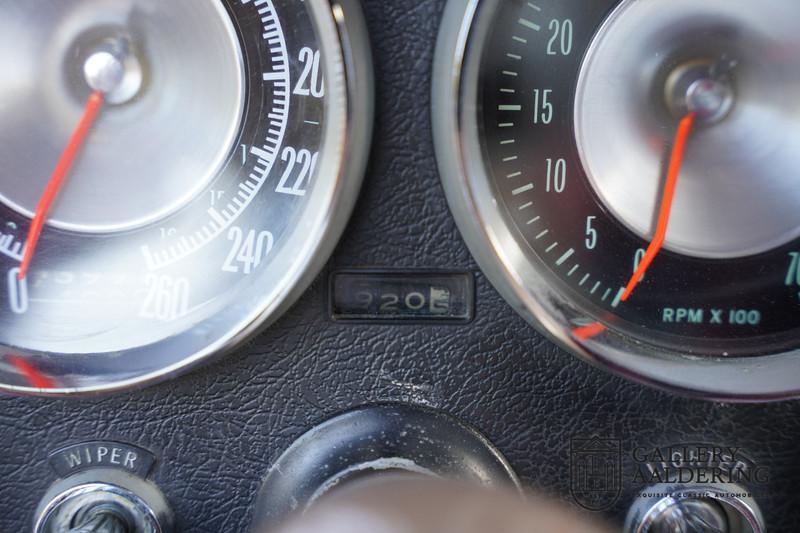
(696, 464)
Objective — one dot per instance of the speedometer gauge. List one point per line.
(626, 173)
(172, 176)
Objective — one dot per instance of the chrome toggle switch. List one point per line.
(103, 501)
(713, 508)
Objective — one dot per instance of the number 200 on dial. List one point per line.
(207, 191)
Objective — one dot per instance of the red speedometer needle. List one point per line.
(76, 142)
(676, 162)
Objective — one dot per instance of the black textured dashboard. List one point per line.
(216, 432)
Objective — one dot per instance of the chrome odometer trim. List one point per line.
(516, 273)
(345, 60)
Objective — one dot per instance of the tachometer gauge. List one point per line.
(626, 173)
(172, 176)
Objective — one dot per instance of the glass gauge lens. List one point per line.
(630, 168)
(170, 176)
(578, 126)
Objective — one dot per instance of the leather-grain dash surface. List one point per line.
(217, 430)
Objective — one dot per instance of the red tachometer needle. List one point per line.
(76, 142)
(676, 162)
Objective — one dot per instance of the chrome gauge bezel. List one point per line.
(345, 140)
(499, 250)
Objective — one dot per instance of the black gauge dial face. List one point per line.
(705, 293)
(166, 244)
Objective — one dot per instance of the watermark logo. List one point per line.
(597, 479)
(696, 463)
(596, 472)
